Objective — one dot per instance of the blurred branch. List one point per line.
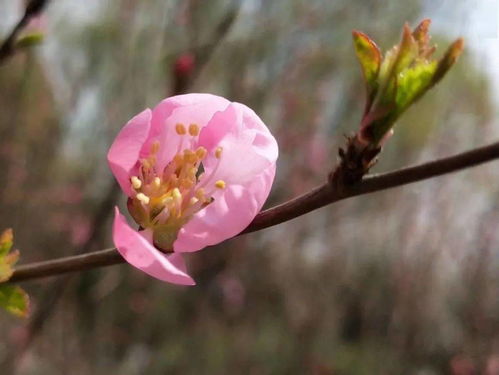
(328, 193)
(33, 9)
(188, 67)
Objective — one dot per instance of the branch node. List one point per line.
(356, 161)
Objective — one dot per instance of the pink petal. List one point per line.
(248, 147)
(125, 150)
(220, 125)
(243, 123)
(247, 166)
(264, 142)
(228, 215)
(164, 109)
(184, 109)
(140, 253)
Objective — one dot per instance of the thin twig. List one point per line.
(316, 198)
(33, 9)
(52, 292)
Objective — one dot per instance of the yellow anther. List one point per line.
(170, 197)
(186, 183)
(136, 182)
(156, 182)
(166, 201)
(200, 194)
(201, 153)
(146, 164)
(220, 184)
(155, 147)
(218, 152)
(190, 156)
(193, 130)
(177, 195)
(180, 129)
(143, 198)
(173, 180)
(177, 159)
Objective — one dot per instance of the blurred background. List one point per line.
(403, 281)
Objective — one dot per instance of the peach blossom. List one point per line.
(196, 170)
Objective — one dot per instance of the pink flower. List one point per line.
(196, 169)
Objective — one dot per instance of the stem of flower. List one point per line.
(319, 197)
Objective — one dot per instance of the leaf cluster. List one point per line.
(12, 298)
(400, 77)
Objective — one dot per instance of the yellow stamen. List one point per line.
(155, 147)
(200, 194)
(201, 153)
(136, 182)
(189, 156)
(143, 198)
(166, 201)
(220, 184)
(180, 129)
(186, 183)
(218, 152)
(157, 182)
(177, 159)
(146, 164)
(177, 195)
(193, 130)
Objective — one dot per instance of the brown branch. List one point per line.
(54, 290)
(33, 9)
(316, 198)
(326, 194)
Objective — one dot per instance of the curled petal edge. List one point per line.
(140, 253)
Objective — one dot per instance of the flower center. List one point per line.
(164, 200)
